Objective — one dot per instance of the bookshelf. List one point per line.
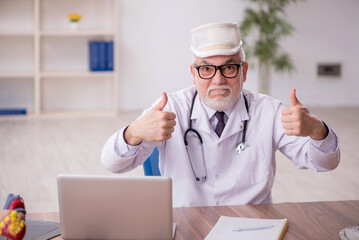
(44, 63)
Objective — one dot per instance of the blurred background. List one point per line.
(58, 107)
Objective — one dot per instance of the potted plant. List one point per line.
(267, 25)
(74, 20)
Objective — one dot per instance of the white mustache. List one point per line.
(220, 87)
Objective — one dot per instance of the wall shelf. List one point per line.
(16, 74)
(71, 74)
(40, 50)
(61, 33)
(18, 33)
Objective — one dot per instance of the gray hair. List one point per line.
(242, 54)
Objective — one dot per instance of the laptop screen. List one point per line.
(115, 207)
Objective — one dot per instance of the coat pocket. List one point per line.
(252, 166)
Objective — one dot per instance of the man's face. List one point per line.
(219, 92)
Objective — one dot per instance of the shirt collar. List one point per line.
(203, 113)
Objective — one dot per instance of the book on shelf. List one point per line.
(109, 50)
(12, 111)
(101, 55)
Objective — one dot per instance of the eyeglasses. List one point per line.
(227, 70)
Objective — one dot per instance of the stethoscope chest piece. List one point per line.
(241, 147)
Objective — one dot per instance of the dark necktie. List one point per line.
(220, 124)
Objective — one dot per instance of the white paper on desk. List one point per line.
(225, 225)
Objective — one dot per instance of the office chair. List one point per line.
(150, 166)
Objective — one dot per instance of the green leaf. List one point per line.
(265, 50)
(284, 27)
(283, 63)
(251, 19)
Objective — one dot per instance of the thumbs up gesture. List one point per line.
(298, 121)
(156, 125)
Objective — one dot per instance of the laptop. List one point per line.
(115, 207)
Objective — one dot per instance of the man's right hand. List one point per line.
(156, 125)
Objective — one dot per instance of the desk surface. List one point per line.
(314, 220)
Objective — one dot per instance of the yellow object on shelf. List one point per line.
(74, 17)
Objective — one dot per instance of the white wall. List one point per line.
(155, 48)
(155, 45)
(326, 31)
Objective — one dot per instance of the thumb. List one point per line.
(293, 97)
(162, 103)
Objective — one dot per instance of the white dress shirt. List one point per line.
(232, 178)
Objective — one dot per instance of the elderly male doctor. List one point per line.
(240, 131)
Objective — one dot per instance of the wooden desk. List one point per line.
(315, 220)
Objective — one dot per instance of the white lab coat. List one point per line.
(232, 178)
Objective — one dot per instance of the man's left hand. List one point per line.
(298, 121)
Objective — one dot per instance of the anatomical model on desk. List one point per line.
(12, 218)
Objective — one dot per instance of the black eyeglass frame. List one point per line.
(218, 68)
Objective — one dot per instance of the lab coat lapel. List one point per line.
(200, 117)
(235, 121)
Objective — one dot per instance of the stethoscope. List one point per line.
(240, 148)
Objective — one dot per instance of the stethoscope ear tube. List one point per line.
(202, 151)
(191, 130)
(204, 177)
